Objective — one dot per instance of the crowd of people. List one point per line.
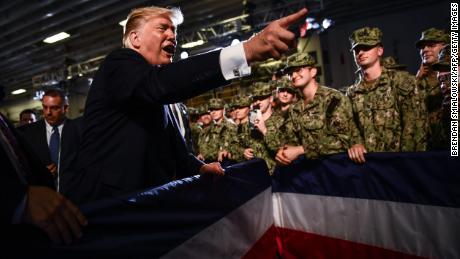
(386, 110)
(135, 133)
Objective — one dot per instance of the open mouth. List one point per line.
(170, 49)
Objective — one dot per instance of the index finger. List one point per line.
(293, 18)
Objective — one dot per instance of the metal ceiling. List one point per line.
(25, 60)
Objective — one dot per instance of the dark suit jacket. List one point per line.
(13, 189)
(35, 134)
(129, 140)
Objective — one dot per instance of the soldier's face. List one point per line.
(242, 113)
(263, 104)
(217, 114)
(301, 77)
(429, 52)
(155, 40)
(206, 119)
(366, 56)
(285, 96)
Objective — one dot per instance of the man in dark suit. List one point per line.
(54, 125)
(130, 140)
(26, 196)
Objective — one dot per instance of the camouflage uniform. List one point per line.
(429, 86)
(215, 138)
(238, 140)
(323, 126)
(196, 128)
(440, 132)
(276, 121)
(388, 110)
(390, 63)
(253, 138)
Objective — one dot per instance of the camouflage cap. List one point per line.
(366, 36)
(432, 34)
(390, 63)
(201, 110)
(192, 111)
(216, 103)
(300, 60)
(241, 101)
(261, 89)
(284, 84)
(443, 64)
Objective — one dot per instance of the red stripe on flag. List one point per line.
(265, 247)
(298, 244)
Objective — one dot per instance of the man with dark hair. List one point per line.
(54, 138)
(430, 44)
(27, 196)
(27, 116)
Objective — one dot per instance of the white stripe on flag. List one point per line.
(428, 231)
(233, 235)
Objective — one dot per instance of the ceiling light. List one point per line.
(192, 44)
(19, 91)
(123, 23)
(183, 55)
(57, 37)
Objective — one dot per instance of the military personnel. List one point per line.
(256, 145)
(440, 132)
(232, 114)
(215, 139)
(386, 103)
(239, 140)
(429, 45)
(390, 63)
(200, 128)
(286, 93)
(321, 123)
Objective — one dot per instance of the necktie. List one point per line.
(54, 145)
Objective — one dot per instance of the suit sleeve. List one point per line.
(13, 189)
(132, 79)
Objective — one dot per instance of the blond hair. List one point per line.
(139, 16)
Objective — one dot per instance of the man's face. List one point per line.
(217, 114)
(242, 112)
(27, 118)
(301, 76)
(285, 97)
(156, 40)
(429, 51)
(54, 109)
(206, 119)
(263, 103)
(367, 56)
